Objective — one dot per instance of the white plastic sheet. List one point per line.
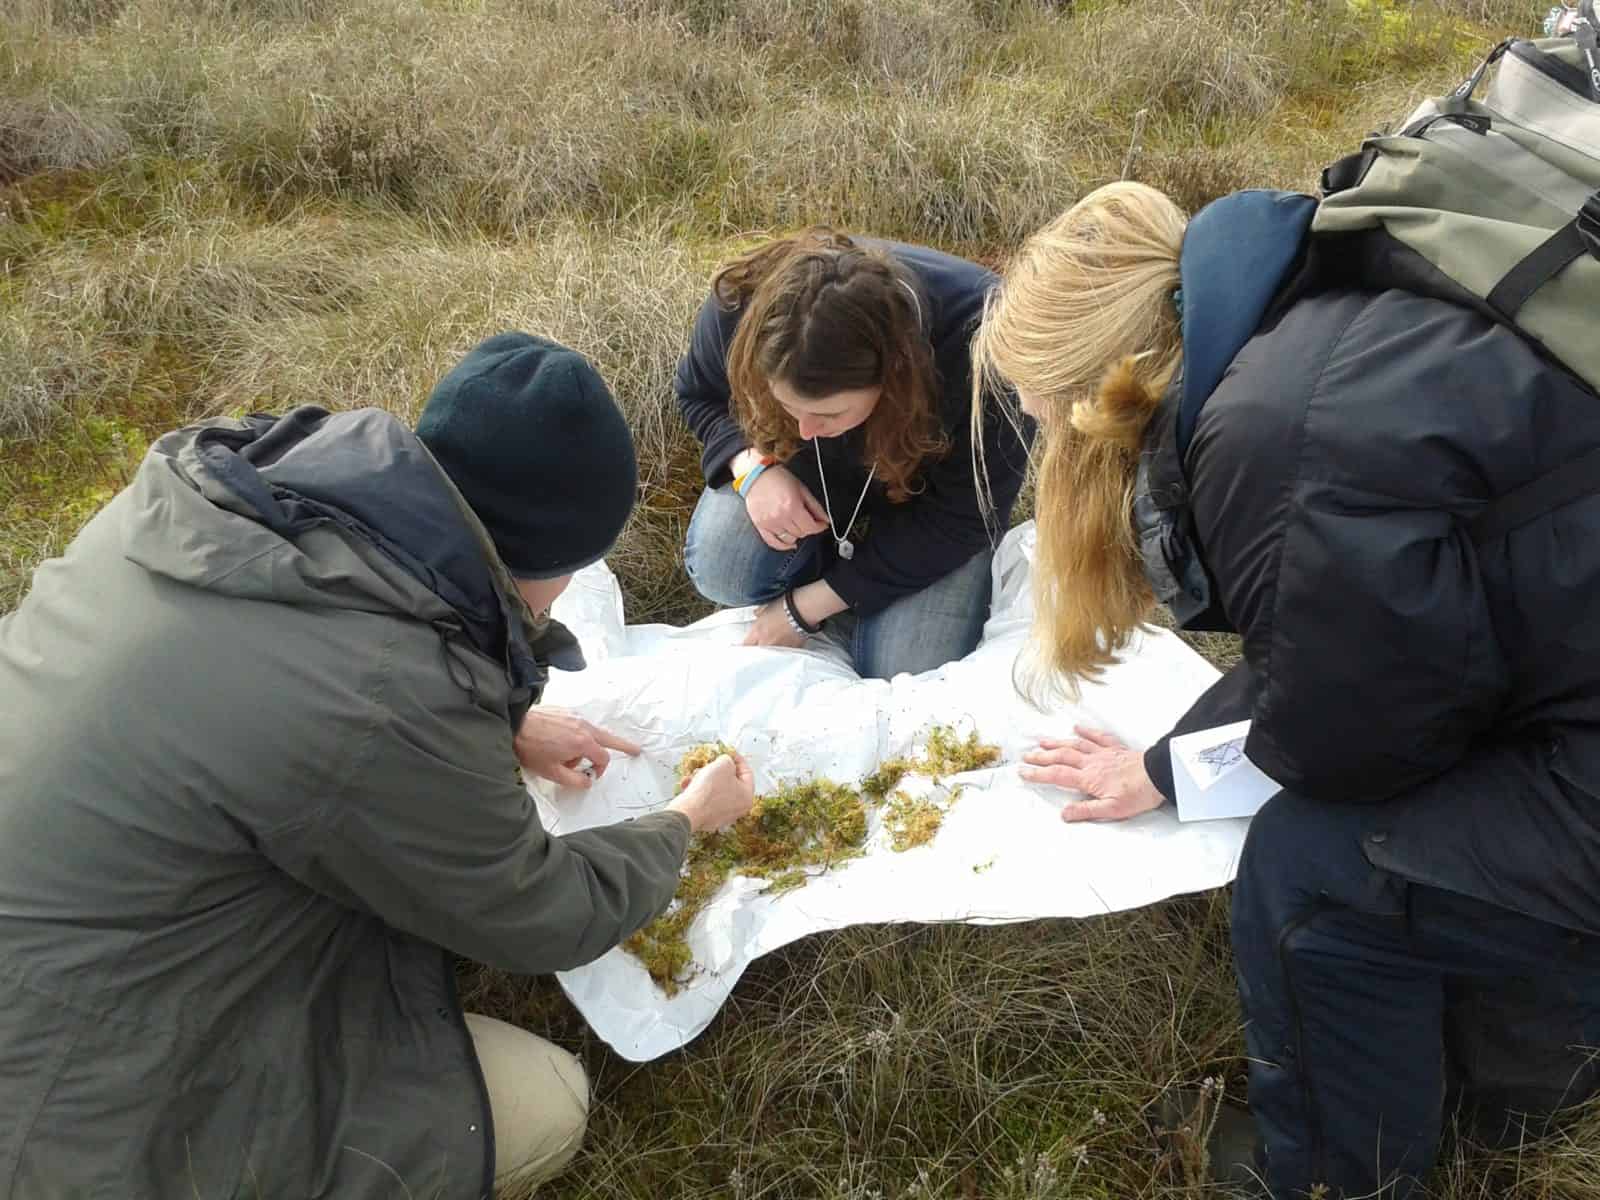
(1002, 853)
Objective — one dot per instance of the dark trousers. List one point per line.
(1376, 1007)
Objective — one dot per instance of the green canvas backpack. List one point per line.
(1499, 195)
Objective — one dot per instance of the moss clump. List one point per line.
(662, 947)
(802, 824)
(949, 754)
(911, 822)
(886, 778)
(787, 882)
(809, 823)
(699, 756)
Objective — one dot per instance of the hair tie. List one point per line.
(1177, 302)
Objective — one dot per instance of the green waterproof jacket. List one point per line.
(257, 787)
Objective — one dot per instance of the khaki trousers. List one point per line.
(538, 1100)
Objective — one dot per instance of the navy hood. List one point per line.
(1237, 253)
(365, 473)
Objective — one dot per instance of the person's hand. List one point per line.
(816, 602)
(1102, 768)
(719, 794)
(551, 742)
(782, 509)
(772, 627)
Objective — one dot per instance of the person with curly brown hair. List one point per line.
(828, 380)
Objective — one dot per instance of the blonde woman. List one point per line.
(828, 380)
(1247, 425)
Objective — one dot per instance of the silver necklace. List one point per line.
(847, 548)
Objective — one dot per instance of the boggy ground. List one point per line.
(226, 205)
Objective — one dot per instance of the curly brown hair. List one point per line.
(827, 315)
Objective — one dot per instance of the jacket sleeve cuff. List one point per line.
(1229, 699)
(720, 450)
(856, 591)
(670, 823)
(1158, 766)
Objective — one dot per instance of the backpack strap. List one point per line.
(1572, 241)
(1554, 489)
(1348, 171)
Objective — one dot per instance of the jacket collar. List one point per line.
(367, 474)
(1237, 255)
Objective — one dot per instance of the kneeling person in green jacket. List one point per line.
(259, 785)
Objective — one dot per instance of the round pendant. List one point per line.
(847, 548)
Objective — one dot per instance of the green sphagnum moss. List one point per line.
(804, 824)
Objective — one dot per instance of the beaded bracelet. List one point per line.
(796, 621)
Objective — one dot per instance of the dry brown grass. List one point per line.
(236, 204)
(919, 1061)
(44, 135)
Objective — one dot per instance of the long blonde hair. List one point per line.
(1084, 325)
(827, 314)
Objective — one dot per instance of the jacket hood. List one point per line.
(1239, 254)
(342, 510)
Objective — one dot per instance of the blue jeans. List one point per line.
(1376, 1005)
(729, 564)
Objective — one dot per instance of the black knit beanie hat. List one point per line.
(528, 432)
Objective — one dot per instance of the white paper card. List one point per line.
(1214, 778)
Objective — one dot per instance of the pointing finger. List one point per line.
(616, 741)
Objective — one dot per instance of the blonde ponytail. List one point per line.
(1083, 326)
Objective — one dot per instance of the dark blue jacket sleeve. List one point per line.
(1231, 698)
(704, 397)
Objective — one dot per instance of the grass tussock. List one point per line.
(924, 1061)
(224, 205)
(43, 135)
(45, 371)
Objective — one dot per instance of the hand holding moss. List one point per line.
(719, 793)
